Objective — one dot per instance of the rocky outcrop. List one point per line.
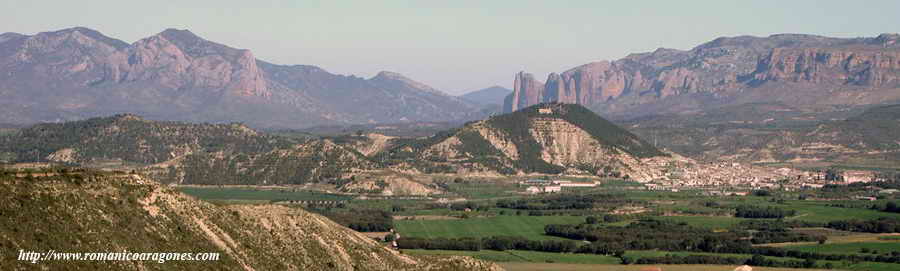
(872, 68)
(178, 59)
(526, 91)
(722, 71)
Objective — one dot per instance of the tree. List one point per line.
(591, 220)
(756, 260)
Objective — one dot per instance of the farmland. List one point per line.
(478, 209)
(531, 227)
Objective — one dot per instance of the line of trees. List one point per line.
(500, 243)
(568, 202)
(890, 207)
(750, 211)
(880, 225)
(361, 220)
(756, 260)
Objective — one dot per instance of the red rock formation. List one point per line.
(874, 68)
(724, 68)
(526, 91)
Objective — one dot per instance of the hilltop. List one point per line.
(77, 210)
(546, 138)
(184, 153)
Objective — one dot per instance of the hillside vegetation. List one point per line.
(77, 210)
(546, 138)
(183, 152)
(772, 133)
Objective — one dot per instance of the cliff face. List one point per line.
(871, 68)
(725, 69)
(178, 59)
(79, 73)
(526, 92)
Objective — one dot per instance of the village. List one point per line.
(725, 179)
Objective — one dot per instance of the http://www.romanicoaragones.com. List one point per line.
(159, 257)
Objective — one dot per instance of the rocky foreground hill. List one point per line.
(79, 73)
(74, 210)
(803, 71)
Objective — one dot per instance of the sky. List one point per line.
(455, 46)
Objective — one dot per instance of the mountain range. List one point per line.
(487, 96)
(803, 71)
(79, 73)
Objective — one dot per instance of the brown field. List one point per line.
(854, 238)
(377, 235)
(606, 267)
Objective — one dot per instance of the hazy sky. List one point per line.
(455, 46)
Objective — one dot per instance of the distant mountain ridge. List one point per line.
(486, 96)
(798, 70)
(79, 73)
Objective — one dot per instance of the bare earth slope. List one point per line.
(79, 211)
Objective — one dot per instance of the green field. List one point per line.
(531, 227)
(850, 248)
(532, 260)
(814, 211)
(606, 267)
(239, 194)
(475, 190)
(522, 256)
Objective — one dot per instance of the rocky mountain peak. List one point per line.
(387, 76)
(86, 35)
(713, 72)
(526, 91)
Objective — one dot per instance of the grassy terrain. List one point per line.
(522, 256)
(817, 212)
(605, 267)
(531, 227)
(862, 266)
(484, 189)
(256, 194)
(531, 260)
